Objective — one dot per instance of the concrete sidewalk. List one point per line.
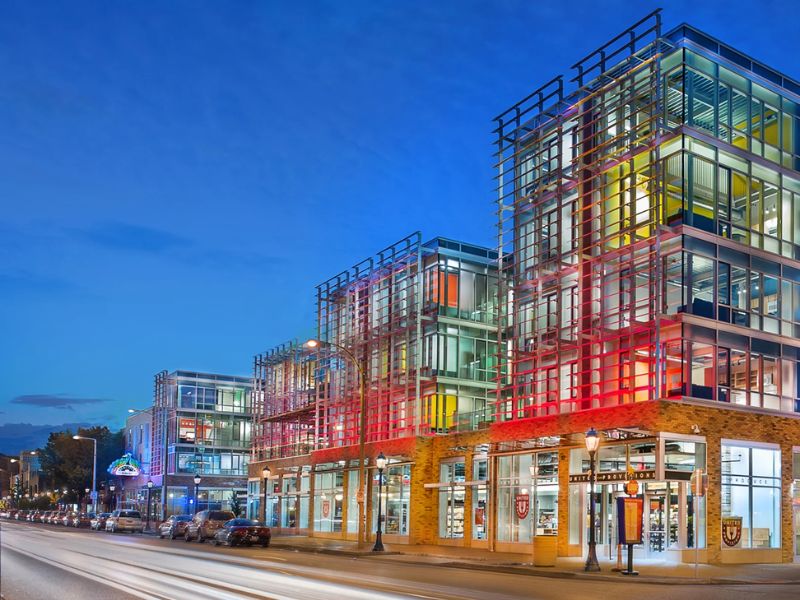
(650, 571)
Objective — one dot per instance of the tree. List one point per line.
(67, 463)
(236, 505)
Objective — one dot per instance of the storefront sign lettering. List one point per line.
(620, 476)
(522, 504)
(731, 530)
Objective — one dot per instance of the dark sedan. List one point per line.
(174, 527)
(242, 532)
(99, 522)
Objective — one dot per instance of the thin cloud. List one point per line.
(137, 238)
(141, 239)
(57, 401)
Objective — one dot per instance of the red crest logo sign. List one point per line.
(731, 530)
(522, 504)
(326, 508)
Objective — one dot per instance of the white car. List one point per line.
(125, 520)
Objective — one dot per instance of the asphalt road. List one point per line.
(40, 562)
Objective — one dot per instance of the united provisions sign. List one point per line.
(620, 476)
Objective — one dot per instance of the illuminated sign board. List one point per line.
(127, 466)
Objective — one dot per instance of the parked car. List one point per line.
(205, 524)
(28, 515)
(125, 520)
(99, 521)
(174, 527)
(57, 517)
(80, 520)
(66, 520)
(43, 517)
(243, 532)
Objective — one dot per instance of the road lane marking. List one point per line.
(86, 574)
(317, 577)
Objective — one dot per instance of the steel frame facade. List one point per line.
(579, 189)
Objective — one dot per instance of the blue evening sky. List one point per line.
(175, 177)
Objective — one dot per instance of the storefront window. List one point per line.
(178, 501)
(545, 492)
(352, 501)
(451, 500)
(254, 499)
(643, 456)
(751, 489)
(480, 472)
(612, 459)
(527, 496)
(328, 497)
(396, 499)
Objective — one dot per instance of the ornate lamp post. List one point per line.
(112, 488)
(380, 462)
(149, 490)
(592, 443)
(85, 502)
(266, 475)
(197, 480)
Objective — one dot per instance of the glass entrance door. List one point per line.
(655, 520)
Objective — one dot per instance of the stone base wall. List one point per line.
(713, 421)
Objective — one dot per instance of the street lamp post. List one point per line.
(149, 490)
(592, 443)
(94, 468)
(380, 462)
(112, 489)
(362, 435)
(197, 480)
(85, 503)
(266, 474)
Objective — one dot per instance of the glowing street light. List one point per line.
(592, 443)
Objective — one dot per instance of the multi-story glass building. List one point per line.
(646, 284)
(416, 324)
(201, 427)
(651, 220)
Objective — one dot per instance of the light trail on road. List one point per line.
(39, 562)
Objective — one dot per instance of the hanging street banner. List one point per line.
(629, 520)
(127, 466)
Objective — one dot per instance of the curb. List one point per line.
(331, 551)
(533, 571)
